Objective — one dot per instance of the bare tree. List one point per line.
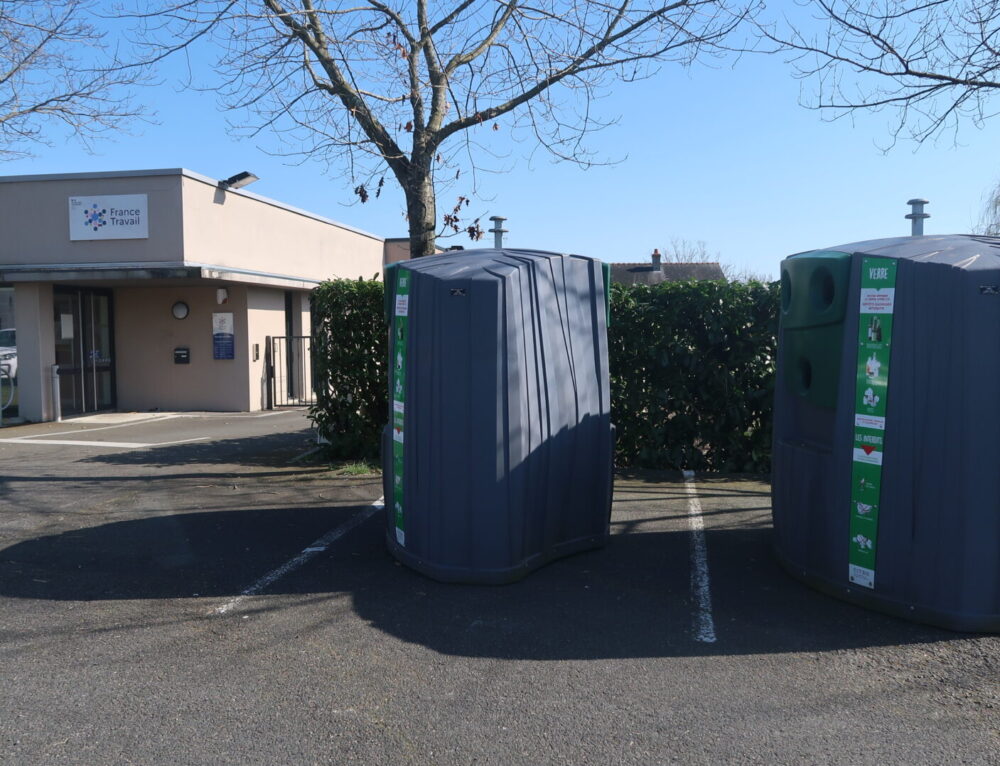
(416, 89)
(687, 251)
(54, 68)
(989, 218)
(932, 63)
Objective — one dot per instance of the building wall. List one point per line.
(7, 307)
(397, 250)
(265, 316)
(35, 350)
(146, 334)
(190, 220)
(229, 229)
(257, 245)
(34, 217)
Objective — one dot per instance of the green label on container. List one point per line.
(878, 293)
(400, 320)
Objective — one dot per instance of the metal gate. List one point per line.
(289, 366)
(8, 392)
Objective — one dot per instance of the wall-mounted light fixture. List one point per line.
(238, 181)
(222, 295)
(180, 310)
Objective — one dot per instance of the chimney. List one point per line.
(656, 258)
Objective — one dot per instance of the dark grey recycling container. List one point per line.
(886, 472)
(498, 454)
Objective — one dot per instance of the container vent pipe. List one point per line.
(917, 216)
(498, 231)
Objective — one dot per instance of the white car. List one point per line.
(8, 352)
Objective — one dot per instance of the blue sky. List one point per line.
(725, 156)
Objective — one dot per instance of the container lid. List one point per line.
(961, 251)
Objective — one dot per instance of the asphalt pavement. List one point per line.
(192, 589)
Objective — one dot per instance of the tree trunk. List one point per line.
(421, 209)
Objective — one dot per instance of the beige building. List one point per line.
(159, 289)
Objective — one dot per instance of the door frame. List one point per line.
(80, 292)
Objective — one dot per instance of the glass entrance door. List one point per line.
(84, 349)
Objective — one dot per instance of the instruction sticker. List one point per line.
(398, 351)
(402, 305)
(878, 298)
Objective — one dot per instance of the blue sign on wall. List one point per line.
(223, 338)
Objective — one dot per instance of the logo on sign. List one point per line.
(94, 218)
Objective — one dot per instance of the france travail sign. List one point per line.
(119, 216)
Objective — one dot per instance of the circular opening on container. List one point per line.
(805, 376)
(786, 291)
(821, 289)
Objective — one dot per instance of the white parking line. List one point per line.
(237, 415)
(309, 552)
(116, 418)
(179, 441)
(88, 430)
(704, 625)
(34, 440)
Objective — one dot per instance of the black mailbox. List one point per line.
(182, 355)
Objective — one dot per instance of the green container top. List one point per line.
(814, 289)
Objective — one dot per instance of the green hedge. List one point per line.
(349, 353)
(692, 372)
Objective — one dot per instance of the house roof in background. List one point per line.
(648, 274)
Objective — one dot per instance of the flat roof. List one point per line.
(189, 174)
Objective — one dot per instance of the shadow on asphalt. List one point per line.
(94, 479)
(630, 599)
(179, 555)
(269, 450)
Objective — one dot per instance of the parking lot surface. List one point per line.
(188, 589)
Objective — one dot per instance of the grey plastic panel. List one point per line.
(508, 437)
(938, 557)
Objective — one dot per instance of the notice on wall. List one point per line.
(878, 295)
(120, 216)
(223, 337)
(400, 329)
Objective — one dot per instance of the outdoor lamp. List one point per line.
(179, 310)
(239, 180)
